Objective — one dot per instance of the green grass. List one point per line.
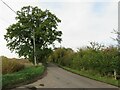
(94, 76)
(22, 76)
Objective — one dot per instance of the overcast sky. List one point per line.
(81, 20)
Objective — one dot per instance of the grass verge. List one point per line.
(94, 76)
(10, 80)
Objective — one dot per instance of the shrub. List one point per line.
(102, 60)
(62, 56)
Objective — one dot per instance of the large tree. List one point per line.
(33, 27)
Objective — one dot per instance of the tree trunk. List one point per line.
(115, 74)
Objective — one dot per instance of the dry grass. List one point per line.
(25, 62)
(13, 64)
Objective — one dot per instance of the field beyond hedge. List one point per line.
(10, 65)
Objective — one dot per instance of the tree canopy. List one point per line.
(33, 22)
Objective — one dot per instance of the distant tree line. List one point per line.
(96, 58)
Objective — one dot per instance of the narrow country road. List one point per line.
(59, 78)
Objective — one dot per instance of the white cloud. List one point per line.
(80, 24)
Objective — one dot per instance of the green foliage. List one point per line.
(42, 55)
(95, 46)
(102, 60)
(32, 21)
(62, 56)
(11, 65)
(9, 80)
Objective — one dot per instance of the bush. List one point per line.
(11, 65)
(62, 56)
(102, 60)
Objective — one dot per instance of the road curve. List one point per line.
(60, 78)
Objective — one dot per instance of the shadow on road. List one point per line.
(51, 65)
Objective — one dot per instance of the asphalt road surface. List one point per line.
(60, 78)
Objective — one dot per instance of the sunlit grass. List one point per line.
(22, 76)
